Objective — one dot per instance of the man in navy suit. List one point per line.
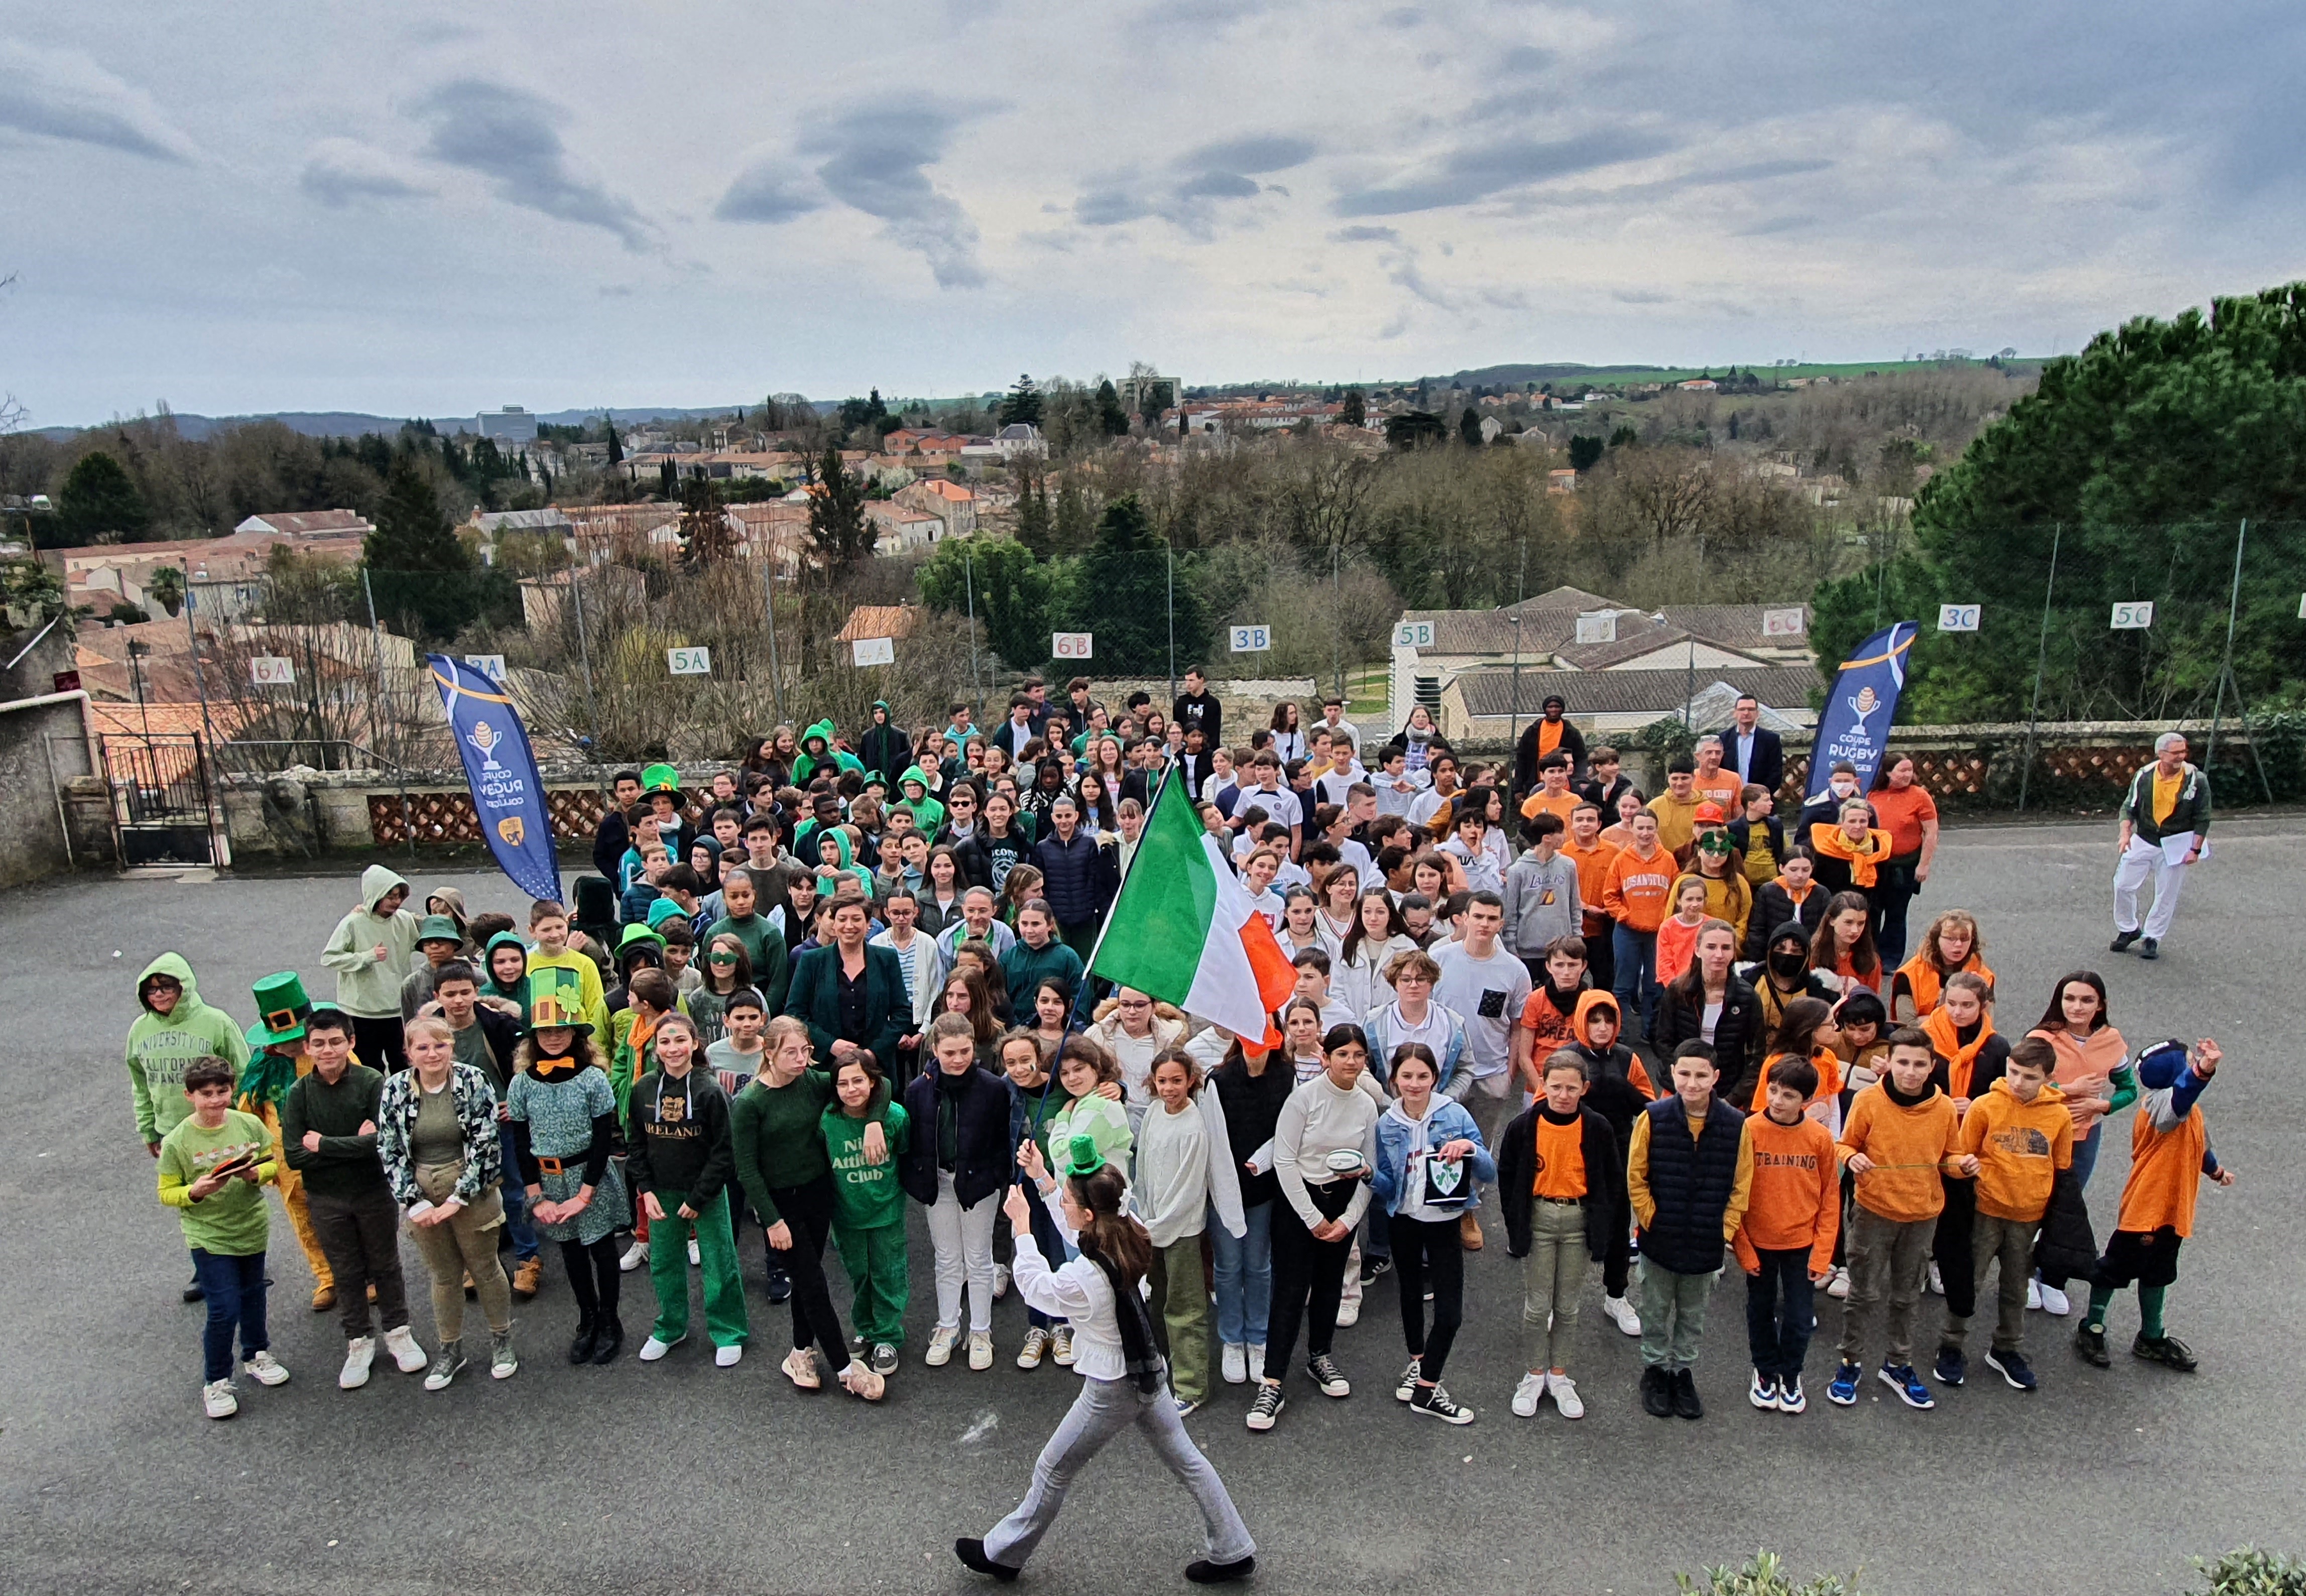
(1755, 753)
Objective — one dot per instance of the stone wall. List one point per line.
(43, 748)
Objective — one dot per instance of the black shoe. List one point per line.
(609, 1342)
(1685, 1404)
(1952, 1367)
(580, 1351)
(194, 1293)
(2091, 1345)
(1371, 1268)
(2123, 939)
(1202, 1572)
(2149, 949)
(779, 1285)
(970, 1551)
(2165, 1350)
(1657, 1393)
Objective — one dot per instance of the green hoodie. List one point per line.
(849, 864)
(490, 988)
(161, 1047)
(367, 987)
(927, 812)
(805, 765)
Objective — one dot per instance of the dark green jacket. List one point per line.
(815, 1000)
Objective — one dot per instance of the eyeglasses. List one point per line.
(1142, 1003)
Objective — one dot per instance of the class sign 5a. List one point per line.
(689, 662)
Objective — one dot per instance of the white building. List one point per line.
(512, 424)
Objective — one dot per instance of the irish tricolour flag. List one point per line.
(1182, 929)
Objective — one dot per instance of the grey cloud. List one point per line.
(1476, 172)
(64, 94)
(1640, 297)
(338, 171)
(1783, 224)
(1259, 152)
(1361, 232)
(1214, 172)
(1406, 16)
(769, 191)
(1217, 185)
(511, 137)
(1524, 58)
(1110, 207)
(875, 162)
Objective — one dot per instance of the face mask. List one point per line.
(1843, 787)
(1788, 965)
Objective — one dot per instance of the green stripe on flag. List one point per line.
(1153, 938)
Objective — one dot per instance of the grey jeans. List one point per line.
(1103, 1410)
(1673, 1315)
(1888, 1261)
(1553, 1281)
(2011, 1241)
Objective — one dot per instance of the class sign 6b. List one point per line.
(689, 662)
(1252, 640)
(1069, 645)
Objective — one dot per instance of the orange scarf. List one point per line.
(1961, 1060)
(1928, 988)
(1797, 898)
(1824, 1059)
(1832, 842)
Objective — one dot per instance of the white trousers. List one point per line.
(2139, 861)
(964, 1238)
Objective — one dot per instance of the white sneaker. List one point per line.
(1526, 1393)
(2056, 1301)
(1564, 1392)
(634, 1257)
(406, 1355)
(1000, 1281)
(980, 1349)
(729, 1356)
(695, 1258)
(652, 1349)
(264, 1370)
(2034, 1296)
(1838, 1287)
(1257, 1360)
(1937, 1281)
(359, 1352)
(1233, 1363)
(1621, 1313)
(219, 1400)
(1349, 1314)
(941, 1340)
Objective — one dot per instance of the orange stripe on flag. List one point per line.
(1276, 978)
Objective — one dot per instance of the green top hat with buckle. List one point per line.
(281, 1011)
(438, 928)
(663, 778)
(556, 1000)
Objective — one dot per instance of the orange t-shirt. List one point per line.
(2166, 1174)
(1725, 789)
(1633, 889)
(1542, 802)
(1824, 1059)
(1560, 1159)
(1677, 945)
(1551, 1025)
(1549, 736)
(1593, 874)
(1900, 811)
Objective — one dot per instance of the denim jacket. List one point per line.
(476, 1116)
(1448, 1122)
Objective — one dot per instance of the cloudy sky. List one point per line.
(421, 210)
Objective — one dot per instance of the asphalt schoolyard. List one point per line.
(680, 1477)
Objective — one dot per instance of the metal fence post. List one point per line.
(2226, 661)
(2041, 663)
(769, 599)
(1513, 722)
(584, 658)
(975, 682)
(1337, 635)
(1172, 548)
(376, 657)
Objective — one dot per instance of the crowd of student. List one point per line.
(850, 977)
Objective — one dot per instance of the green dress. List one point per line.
(559, 1112)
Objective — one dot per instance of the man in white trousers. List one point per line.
(2165, 824)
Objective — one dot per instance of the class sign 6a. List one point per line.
(1252, 640)
(689, 662)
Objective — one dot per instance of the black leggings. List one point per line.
(1308, 1277)
(593, 1277)
(808, 1212)
(1950, 1247)
(1420, 1245)
(379, 1043)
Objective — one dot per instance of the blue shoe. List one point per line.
(1902, 1379)
(2012, 1367)
(1843, 1391)
(1952, 1366)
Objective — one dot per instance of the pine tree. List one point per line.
(420, 574)
(1035, 527)
(706, 534)
(1356, 408)
(1023, 403)
(1110, 417)
(836, 515)
(616, 444)
(98, 503)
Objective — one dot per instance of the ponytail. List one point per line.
(1110, 1234)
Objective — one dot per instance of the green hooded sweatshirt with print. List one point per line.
(369, 987)
(927, 812)
(162, 1046)
(827, 875)
(825, 752)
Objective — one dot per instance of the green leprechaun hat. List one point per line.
(556, 1000)
(1082, 1156)
(281, 1011)
(663, 778)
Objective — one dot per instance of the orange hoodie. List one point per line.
(1581, 1025)
(1633, 891)
(1796, 1200)
(1911, 1149)
(2020, 1147)
(2166, 1174)
(1593, 875)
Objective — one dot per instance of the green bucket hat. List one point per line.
(281, 1011)
(438, 928)
(634, 934)
(556, 1000)
(661, 910)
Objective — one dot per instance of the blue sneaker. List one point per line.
(1952, 1366)
(1902, 1379)
(1843, 1391)
(2012, 1367)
